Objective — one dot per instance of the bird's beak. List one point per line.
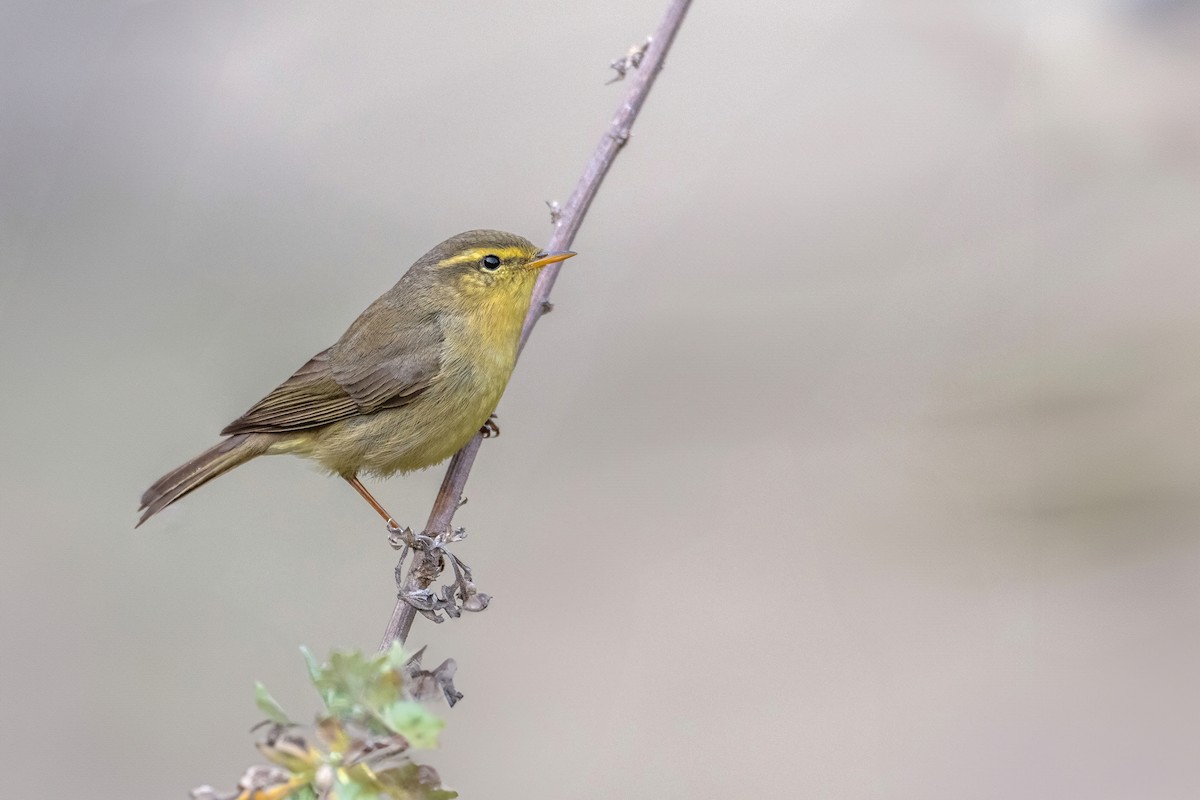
(545, 258)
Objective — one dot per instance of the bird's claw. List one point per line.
(398, 537)
(491, 428)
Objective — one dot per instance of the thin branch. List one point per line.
(425, 566)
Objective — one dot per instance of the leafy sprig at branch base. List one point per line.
(360, 745)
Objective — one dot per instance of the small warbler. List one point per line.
(412, 380)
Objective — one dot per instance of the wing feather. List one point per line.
(371, 368)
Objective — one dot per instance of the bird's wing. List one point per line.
(361, 374)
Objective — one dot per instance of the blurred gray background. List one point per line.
(858, 460)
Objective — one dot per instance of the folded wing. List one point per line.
(380, 363)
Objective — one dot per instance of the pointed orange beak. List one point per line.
(544, 258)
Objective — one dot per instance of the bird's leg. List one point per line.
(392, 525)
(490, 428)
(429, 555)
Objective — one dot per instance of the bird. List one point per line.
(412, 379)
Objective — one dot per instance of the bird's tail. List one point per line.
(223, 456)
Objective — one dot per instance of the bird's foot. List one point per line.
(401, 538)
(490, 429)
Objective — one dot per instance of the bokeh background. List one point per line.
(858, 460)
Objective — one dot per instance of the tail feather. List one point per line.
(221, 457)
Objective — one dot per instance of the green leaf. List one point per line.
(396, 657)
(310, 661)
(356, 686)
(314, 673)
(370, 691)
(304, 793)
(269, 706)
(414, 722)
(350, 790)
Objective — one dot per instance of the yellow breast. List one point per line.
(479, 353)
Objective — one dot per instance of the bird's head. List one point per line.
(486, 264)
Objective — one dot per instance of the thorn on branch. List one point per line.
(547, 306)
(555, 211)
(631, 60)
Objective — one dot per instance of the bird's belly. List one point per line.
(430, 429)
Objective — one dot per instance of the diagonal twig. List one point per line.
(425, 566)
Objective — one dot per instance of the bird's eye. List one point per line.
(490, 263)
